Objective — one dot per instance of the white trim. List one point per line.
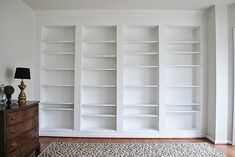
(156, 134)
(222, 142)
(233, 91)
(218, 141)
(84, 11)
(210, 138)
(229, 142)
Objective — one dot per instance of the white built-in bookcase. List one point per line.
(99, 83)
(105, 79)
(183, 79)
(57, 78)
(140, 78)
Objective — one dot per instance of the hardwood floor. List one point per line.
(226, 150)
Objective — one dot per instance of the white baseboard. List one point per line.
(185, 134)
(210, 138)
(230, 142)
(218, 141)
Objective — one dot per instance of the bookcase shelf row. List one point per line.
(184, 65)
(51, 85)
(100, 105)
(57, 63)
(58, 53)
(144, 116)
(140, 105)
(57, 108)
(99, 69)
(57, 102)
(99, 115)
(183, 52)
(141, 66)
(183, 46)
(58, 41)
(183, 112)
(98, 41)
(58, 69)
(100, 56)
(140, 53)
(182, 42)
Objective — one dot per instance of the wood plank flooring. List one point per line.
(226, 150)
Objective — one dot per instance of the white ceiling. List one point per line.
(124, 4)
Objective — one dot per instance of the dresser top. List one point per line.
(15, 106)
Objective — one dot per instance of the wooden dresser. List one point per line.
(19, 130)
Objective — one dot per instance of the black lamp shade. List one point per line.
(22, 73)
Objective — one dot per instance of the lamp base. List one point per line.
(22, 95)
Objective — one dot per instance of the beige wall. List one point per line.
(17, 22)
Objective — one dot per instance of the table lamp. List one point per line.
(22, 73)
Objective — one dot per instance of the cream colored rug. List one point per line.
(130, 150)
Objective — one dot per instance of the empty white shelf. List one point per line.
(102, 130)
(142, 86)
(58, 69)
(54, 129)
(55, 42)
(183, 86)
(182, 111)
(99, 56)
(100, 105)
(98, 41)
(99, 115)
(57, 108)
(182, 42)
(183, 104)
(51, 85)
(58, 53)
(141, 130)
(184, 65)
(140, 42)
(141, 66)
(140, 105)
(141, 115)
(54, 27)
(55, 102)
(140, 53)
(183, 52)
(99, 69)
(99, 85)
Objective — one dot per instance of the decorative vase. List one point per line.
(8, 90)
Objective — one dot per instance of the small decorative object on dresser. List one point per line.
(22, 73)
(9, 90)
(19, 131)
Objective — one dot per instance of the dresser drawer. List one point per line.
(23, 145)
(20, 128)
(21, 116)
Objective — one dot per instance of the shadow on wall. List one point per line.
(9, 73)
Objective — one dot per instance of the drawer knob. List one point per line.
(13, 118)
(13, 131)
(14, 144)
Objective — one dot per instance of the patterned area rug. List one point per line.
(130, 150)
